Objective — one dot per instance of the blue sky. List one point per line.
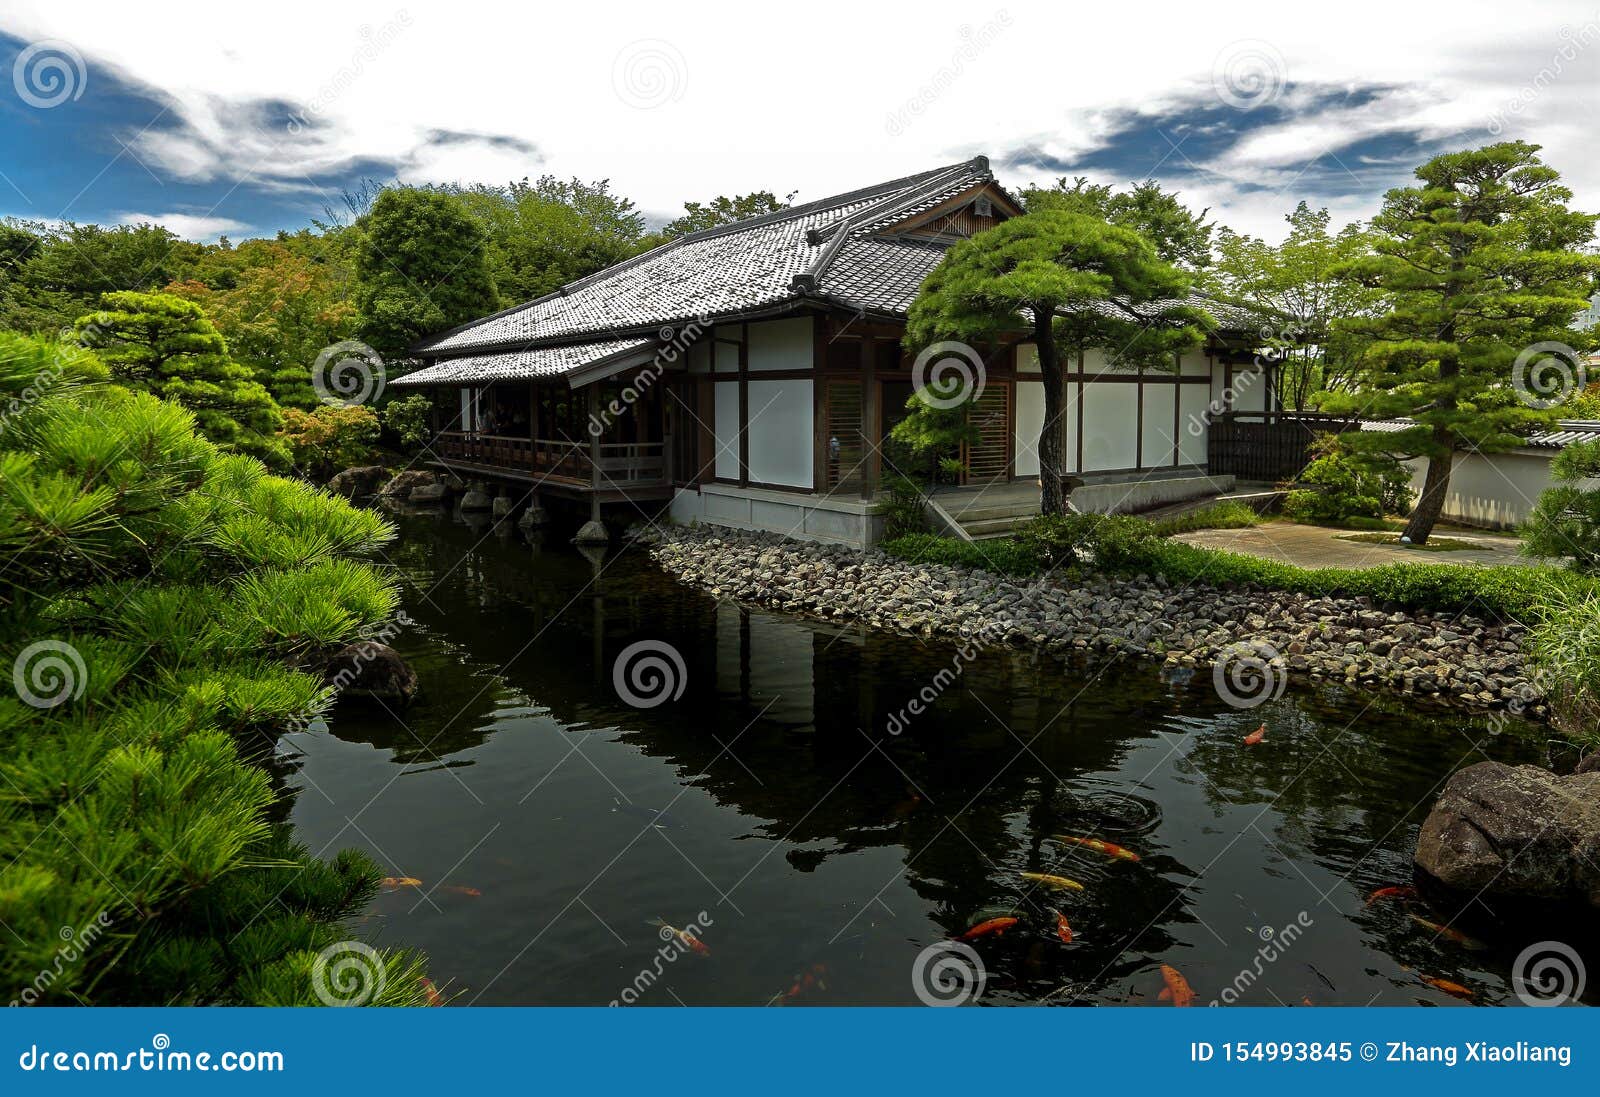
(227, 124)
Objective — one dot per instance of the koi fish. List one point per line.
(1063, 930)
(1455, 990)
(1396, 892)
(1305, 1000)
(682, 936)
(1449, 933)
(1099, 845)
(983, 929)
(392, 882)
(460, 889)
(434, 997)
(1257, 736)
(1049, 880)
(1177, 990)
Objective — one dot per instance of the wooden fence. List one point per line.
(1267, 446)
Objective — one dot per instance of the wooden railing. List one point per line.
(620, 463)
(1267, 446)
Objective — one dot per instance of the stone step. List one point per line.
(991, 527)
(984, 514)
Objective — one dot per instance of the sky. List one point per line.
(245, 119)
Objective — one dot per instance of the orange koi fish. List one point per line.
(392, 882)
(460, 889)
(806, 980)
(1049, 880)
(682, 936)
(1450, 933)
(1396, 892)
(1305, 1000)
(983, 929)
(1455, 990)
(1099, 845)
(1257, 736)
(1177, 991)
(434, 997)
(1063, 930)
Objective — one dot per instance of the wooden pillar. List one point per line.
(869, 419)
(593, 392)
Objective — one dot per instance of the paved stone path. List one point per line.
(1319, 547)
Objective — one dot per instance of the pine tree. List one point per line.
(155, 596)
(1478, 264)
(1070, 281)
(166, 346)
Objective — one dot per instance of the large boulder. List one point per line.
(367, 668)
(405, 482)
(1516, 833)
(354, 482)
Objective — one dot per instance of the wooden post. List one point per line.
(593, 392)
(869, 419)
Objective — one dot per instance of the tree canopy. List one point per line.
(724, 210)
(1179, 235)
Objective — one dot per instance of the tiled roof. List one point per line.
(521, 365)
(718, 271)
(1566, 433)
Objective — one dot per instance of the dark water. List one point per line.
(816, 844)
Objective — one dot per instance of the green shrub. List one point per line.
(1564, 650)
(905, 511)
(1001, 555)
(1566, 519)
(1228, 514)
(330, 438)
(408, 419)
(1348, 485)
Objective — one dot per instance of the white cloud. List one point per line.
(188, 226)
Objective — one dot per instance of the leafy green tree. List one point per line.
(421, 268)
(74, 265)
(1303, 281)
(1566, 519)
(544, 234)
(330, 438)
(938, 425)
(724, 210)
(1477, 265)
(1068, 281)
(409, 419)
(1180, 236)
(166, 346)
(156, 595)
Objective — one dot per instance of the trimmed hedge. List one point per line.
(1130, 546)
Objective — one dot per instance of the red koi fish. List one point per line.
(1063, 930)
(1099, 845)
(1455, 990)
(1257, 736)
(1396, 892)
(1450, 933)
(682, 936)
(434, 997)
(460, 889)
(814, 979)
(983, 929)
(1177, 991)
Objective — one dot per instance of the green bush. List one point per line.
(905, 511)
(408, 419)
(1564, 650)
(157, 597)
(330, 438)
(1348, 485)
(1566, 519)
(1001, 555)
(1229, 514)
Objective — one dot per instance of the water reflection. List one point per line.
(818, 826)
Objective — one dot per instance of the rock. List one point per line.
(532, 517)
(592, 533)
(355, 482)
(501, 507)
(429, 493)
(367, 668)
(476, 498)
(1515, 832)
(409, 480)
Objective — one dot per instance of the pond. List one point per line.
(785, 799)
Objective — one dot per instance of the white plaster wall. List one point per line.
(1194, 363)
(725, 425)
(1069, 453)
(1029, 419)
(1110, 425)
(1249, 390)
(780, 432)
(1495, 490)
(1193, 416)
(1157, 443)
(781, 344)
(1095, 361)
